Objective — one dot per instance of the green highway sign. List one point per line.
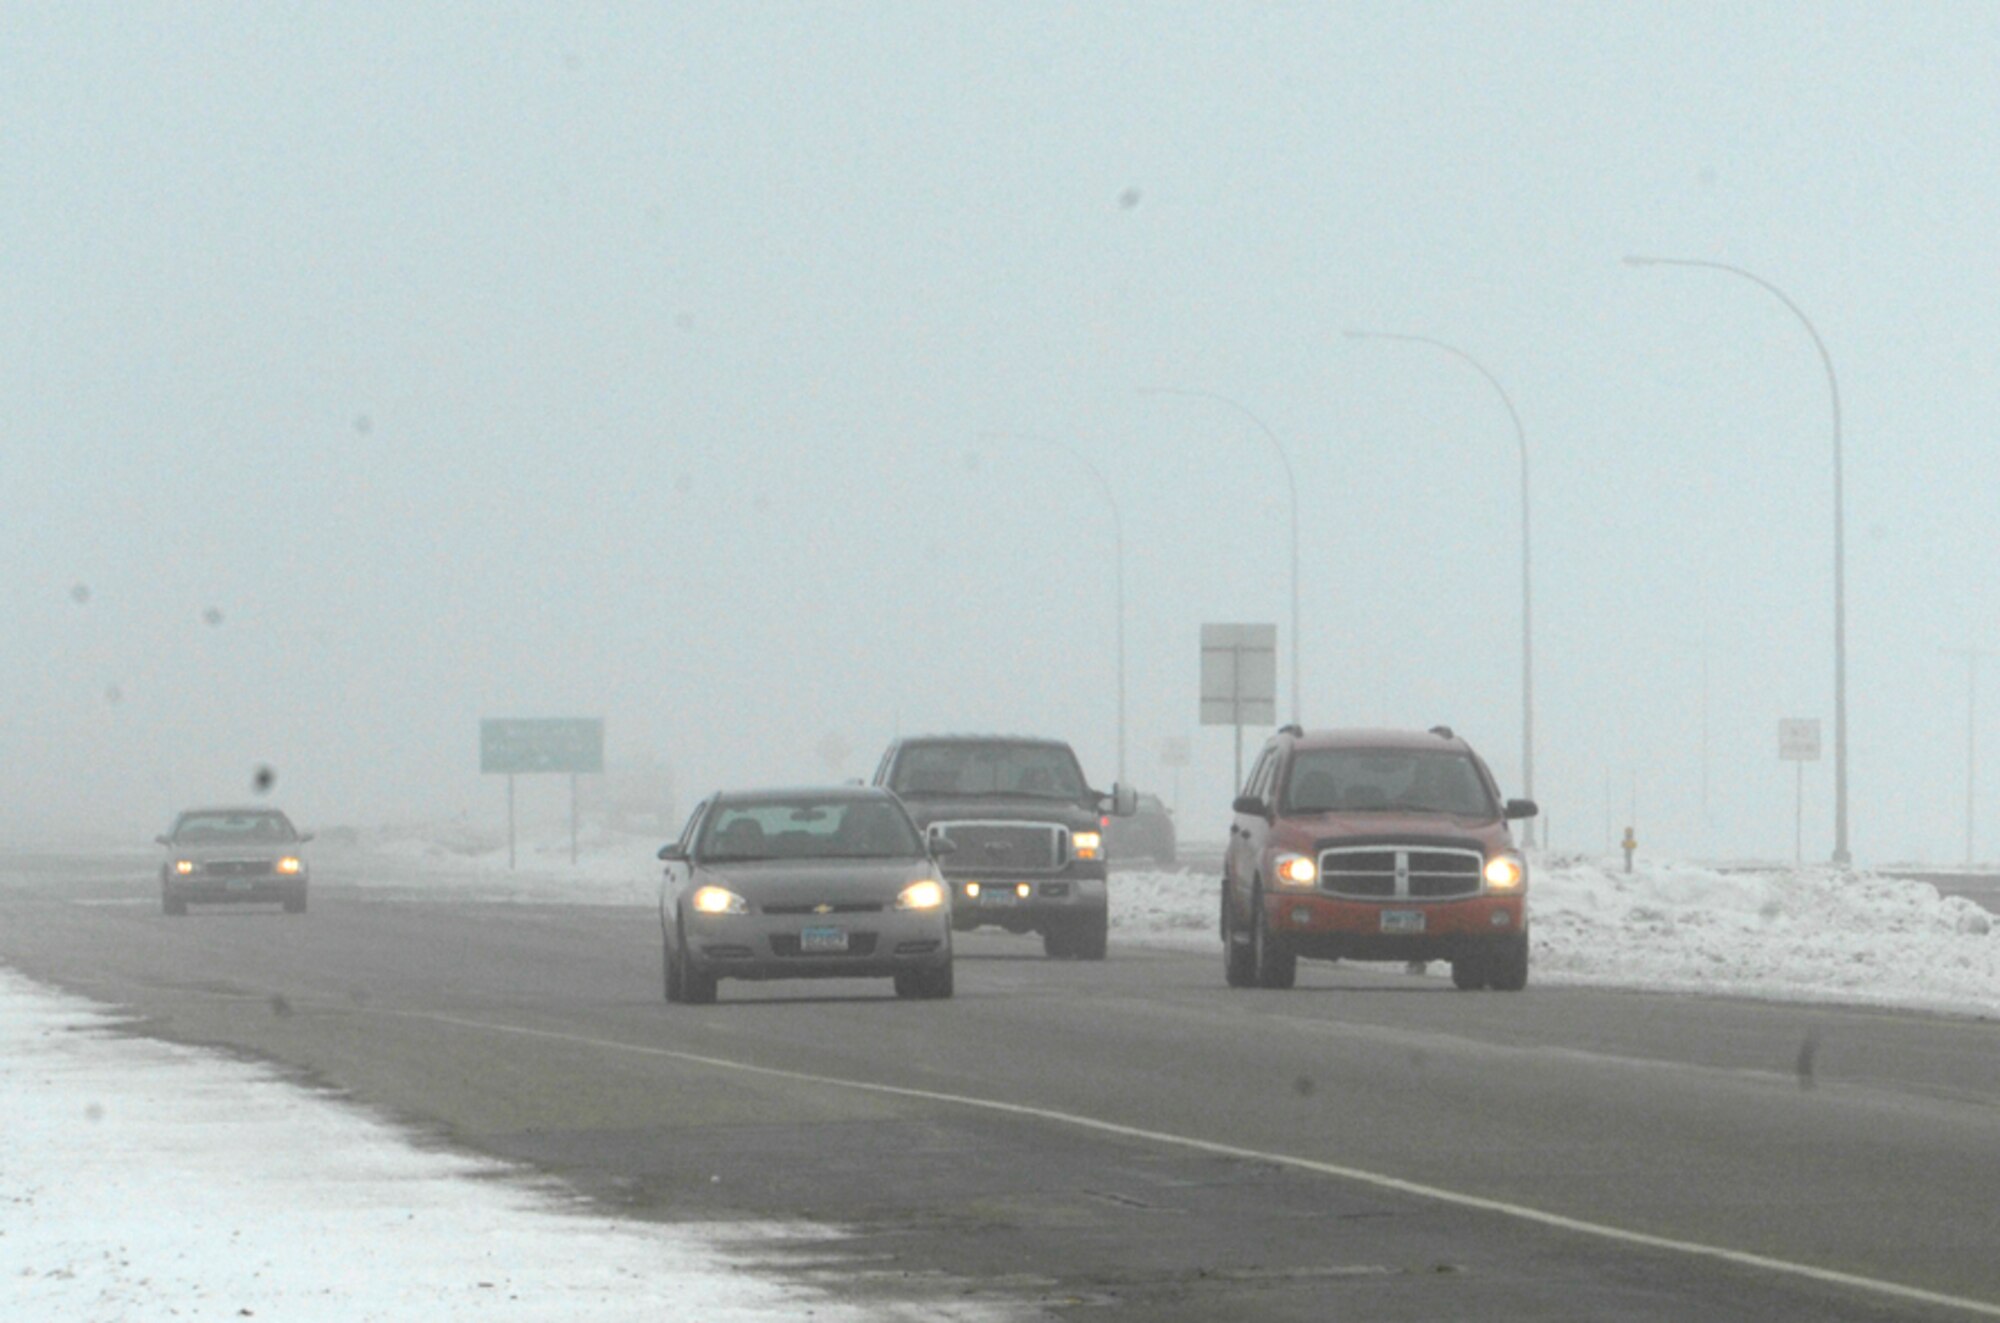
(541, 744)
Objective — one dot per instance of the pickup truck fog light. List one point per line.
(1301, 917)
(1023, 890)
(1501, 918)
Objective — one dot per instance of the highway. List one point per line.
(1124, 1140)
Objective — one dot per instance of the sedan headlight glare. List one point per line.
(720, 900)
(289, 866)
(183, 866)
(1295, 870)
(924, 894)
(1505, 872)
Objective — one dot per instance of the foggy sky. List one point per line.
(364, 373)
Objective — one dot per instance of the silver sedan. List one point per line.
(825, 883)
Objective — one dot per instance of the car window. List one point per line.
(989, 767)
(1363, 780)
(808, 829)
(249, 827)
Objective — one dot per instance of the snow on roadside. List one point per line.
(142, 1180)
(1812, 935)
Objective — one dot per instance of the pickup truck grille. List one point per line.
(1377, 872)
(985, 848)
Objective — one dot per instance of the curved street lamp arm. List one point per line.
(1291, 492)
(1841, 854)
(1527, 574)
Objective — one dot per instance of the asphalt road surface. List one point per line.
(1116, 1140)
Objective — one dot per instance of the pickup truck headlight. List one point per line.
(1506, 872)
(1089, 844)
(720, 900)
(1295, 870)
(923, 894)
(183, 866)
(290, 866)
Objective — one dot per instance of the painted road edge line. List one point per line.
(1376, 1180)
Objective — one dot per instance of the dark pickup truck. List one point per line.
(1026, 833)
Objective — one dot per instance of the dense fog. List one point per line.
(743, 375)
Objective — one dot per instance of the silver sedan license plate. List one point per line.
(1402, 921)
(822, 939)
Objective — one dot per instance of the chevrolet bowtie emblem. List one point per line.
(822, 908)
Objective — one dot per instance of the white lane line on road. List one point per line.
(1395, 1184)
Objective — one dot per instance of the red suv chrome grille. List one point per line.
(1398, 872)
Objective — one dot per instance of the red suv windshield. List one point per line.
(1397, 780)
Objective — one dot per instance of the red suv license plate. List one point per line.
(1402, 921)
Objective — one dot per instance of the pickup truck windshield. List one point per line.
(989, 767)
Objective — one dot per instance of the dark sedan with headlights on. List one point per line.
(233, 856)
(816, 883)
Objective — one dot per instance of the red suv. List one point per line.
(1374, 845)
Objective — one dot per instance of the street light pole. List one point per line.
(1117, 560)
(1291, 491)
(1527, 573)
(1972, 656)
(1841, 855)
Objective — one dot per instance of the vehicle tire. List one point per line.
(697, 987)
(1237, 968)
(1507, 967)
(1058, 942)
(1469, 973)
(671, 968)
(296, 904)
(1092, 936)
(174, 905)
(925, 984)
(1271, 964)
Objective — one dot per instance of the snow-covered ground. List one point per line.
(141, 1180)
(144, 1181)
(1812, 935)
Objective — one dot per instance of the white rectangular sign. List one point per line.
(1798, 739)
(1239, 675)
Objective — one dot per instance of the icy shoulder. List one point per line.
(142, 1180)
(1816, 934)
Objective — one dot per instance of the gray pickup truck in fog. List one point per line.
(1027, 847)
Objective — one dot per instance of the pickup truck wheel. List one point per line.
(1092, 936)
(1056, 943)
(1274, 966)
(1238, 969)
(1508, 970)
(1468, 973)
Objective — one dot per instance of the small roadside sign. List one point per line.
(1798, 739)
